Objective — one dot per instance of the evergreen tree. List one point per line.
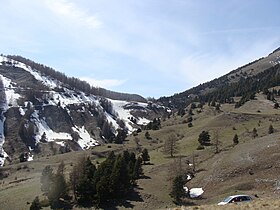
(147, 135)
(120, 136)
(23, 157)
(86, 187)
(44, 138)
(145, 155)
(82, 180)
(254, 133)
(235, 139)
(106, 130)
(270, 129)
(177, 191)
(120, 180)
(131, 164)
(204, 138)
(103, 189)
(137, 170)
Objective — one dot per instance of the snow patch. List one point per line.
(61, 143)
(85, 141)
(30, 157)
(196, 192)
(44, 128)
(21, 111)
(11, 96)
(125, 115)
(142, 121)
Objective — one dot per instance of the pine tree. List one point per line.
(177, 191)
(120, 180)
(103, 189)
(270, 129)
(254, 133)
(204, 138)
(137, 170)
(235, 139)
(131, 164)
(44, 138)
(82, 180)
(120, 136)
(145, 155)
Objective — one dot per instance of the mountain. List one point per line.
(48, 119)
(243, 82)
(45, 112)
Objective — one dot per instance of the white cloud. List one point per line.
(74, 14)
(105, 83)
(203, 67)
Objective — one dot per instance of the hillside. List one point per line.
(250, 167)
(43, 112)
(243, 81)
(221, 168)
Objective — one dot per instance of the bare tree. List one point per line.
(216, 141)
(170, 146)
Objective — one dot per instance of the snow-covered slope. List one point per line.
(15, 97)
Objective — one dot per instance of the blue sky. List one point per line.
(150, 47)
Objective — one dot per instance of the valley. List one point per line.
(73, 129)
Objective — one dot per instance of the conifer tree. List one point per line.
(270, 129)
(254, 133)
(137, 170)
(235, 139)
(86, 188)
(204, 138)
(145, 155)
(177, 191)
(120, 179)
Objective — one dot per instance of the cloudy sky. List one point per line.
(150, 47)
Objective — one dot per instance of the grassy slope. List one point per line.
(219, 174)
